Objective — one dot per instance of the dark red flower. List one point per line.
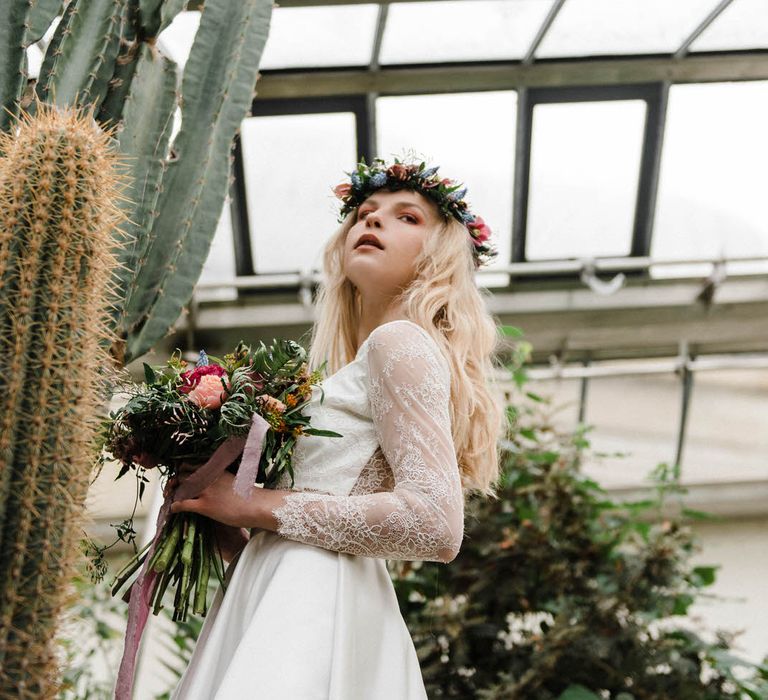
(398, 171)
(191, 378)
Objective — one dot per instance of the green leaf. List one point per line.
(578, 692)
(700, 515)
(323, 433)
(149, 374)
(705, 574)
(512, 331)
(682, 603)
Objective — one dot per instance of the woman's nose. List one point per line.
(372, 220)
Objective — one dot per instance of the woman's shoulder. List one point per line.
(403, 338)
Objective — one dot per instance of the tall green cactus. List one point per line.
(104, 54)
(59, 188)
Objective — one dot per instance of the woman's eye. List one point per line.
(362, 215)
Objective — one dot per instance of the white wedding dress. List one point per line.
(310, 611)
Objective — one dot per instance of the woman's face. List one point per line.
(396, 224)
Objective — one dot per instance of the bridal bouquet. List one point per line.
(241, 413)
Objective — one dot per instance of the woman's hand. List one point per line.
(219, 502)
(230, 540)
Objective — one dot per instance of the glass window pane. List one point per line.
(635, 421)
(712, 183)
(471, 137)
(741, 25)
(220, 264)
(585, 165)
(320, 36)
(177, 38)
(418, 32)
(600, 27)
(727, 432)
(291, 163)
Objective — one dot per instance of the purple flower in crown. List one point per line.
(378, 180)
(457, 195)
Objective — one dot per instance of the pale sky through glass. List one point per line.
(291, 163)
(713, 181)
(471, 137)
(585, 160)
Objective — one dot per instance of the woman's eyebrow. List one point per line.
(401, 203)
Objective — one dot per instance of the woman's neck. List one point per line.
(373, 315)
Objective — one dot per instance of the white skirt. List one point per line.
(300, 622)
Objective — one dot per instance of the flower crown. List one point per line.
(447, 194)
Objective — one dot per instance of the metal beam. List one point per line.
(542, 32)
(241, 229)
(650, 167)
(511, 75)
(646, 318)
(696, 33)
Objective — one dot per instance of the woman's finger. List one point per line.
(191, 505)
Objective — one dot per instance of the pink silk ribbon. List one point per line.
(139, 595)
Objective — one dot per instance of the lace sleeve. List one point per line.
(422, 518)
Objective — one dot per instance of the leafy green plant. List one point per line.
(560, 593)
(91, 640)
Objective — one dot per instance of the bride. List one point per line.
(310, 611)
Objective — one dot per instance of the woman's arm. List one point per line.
(423, 517)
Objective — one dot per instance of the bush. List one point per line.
(561, 593)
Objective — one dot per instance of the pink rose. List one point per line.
(208, 393)
(342, 190)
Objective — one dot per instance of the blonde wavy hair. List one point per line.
(444, 299)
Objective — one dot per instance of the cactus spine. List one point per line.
(59, 189)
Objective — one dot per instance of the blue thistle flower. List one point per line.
(203, 361)
(456, 195)
(357, 183)
(429, 172)
(379, 180)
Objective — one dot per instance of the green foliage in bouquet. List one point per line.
(59, 187)
(559, 593)
(164, 418)
(178, 419)
(105, 54)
